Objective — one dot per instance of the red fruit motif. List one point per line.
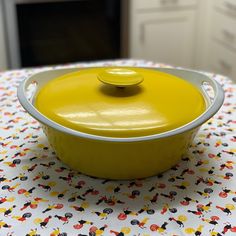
(161, 185)
(184, 203)
(215, 218)
(59, 206)
(33, 206)
(78, 226)
(210, 155)
(154, 227)
(223, 194)
(233, 229)
(21, 191)
(122, 216)
(93, 229)
(95, 192)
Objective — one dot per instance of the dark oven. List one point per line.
(46, 32)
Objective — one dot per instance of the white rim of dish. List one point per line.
(197, 78)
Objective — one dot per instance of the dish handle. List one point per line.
(200, 80)
(29, 87)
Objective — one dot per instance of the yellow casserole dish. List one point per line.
(120, 122)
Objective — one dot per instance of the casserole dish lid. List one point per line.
(120, 101)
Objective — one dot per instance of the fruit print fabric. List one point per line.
(41, 196)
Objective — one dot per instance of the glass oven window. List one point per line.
(69, 31)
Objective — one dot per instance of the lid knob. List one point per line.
(120, 77)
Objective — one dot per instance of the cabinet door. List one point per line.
(165, 37)
(3, 61)
(222, 60)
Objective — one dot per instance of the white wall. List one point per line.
(3, 59)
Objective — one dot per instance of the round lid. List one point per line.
(120, 101)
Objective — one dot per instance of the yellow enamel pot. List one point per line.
(120, 122)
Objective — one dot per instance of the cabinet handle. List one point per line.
(163, 2)
(141, 33)
(169, 2)
(175, 2)
(229, 36)
(230, 7)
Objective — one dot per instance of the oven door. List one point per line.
(44, 32)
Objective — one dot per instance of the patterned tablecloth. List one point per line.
(39, 195)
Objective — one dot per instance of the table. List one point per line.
(41, 196)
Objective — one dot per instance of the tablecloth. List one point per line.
(39, 195)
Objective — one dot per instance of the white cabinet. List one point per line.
(163, 31)
(3, 60)
(199, 34)
(224, 29)
(227, 6)
(222, 38)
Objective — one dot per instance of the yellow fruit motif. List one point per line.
(2, 210)
(99, 232)
(182, 218)
(125, 230)
(37, 220)
(11, 199)
(85, 205)
(189, 231)
(110, 188)
(230, 206)
(185, 183)
(40, 145)
(51, 184)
